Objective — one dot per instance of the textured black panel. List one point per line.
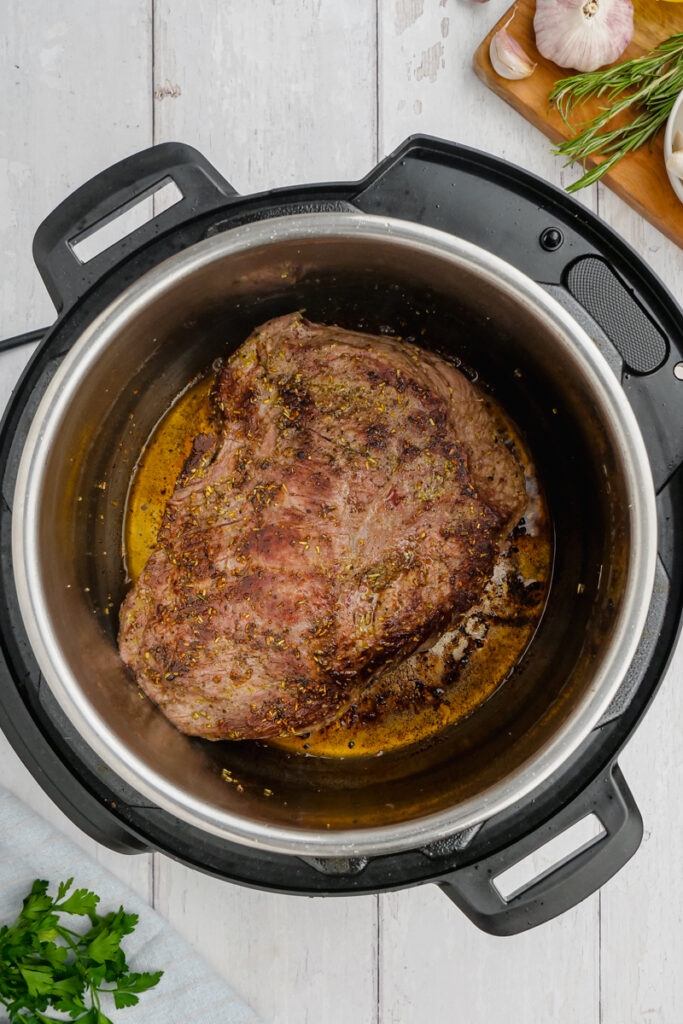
(601, 293)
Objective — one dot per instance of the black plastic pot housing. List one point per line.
(606, 287)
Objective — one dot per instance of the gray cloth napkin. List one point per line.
(188, 991)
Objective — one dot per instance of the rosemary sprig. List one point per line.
(645, 87)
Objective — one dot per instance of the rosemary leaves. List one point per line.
(643, 89)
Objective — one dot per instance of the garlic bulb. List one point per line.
(677, 143)
(583, 34)
(507, 57)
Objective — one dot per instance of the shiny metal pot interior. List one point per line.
(367, 272)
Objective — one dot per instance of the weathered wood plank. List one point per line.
(436, 966)
(293, 959)
(275, 92)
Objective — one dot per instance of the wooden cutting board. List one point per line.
(640, 178)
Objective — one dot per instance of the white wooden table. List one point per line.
(276, 92)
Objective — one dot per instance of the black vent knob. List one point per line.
(551, 239)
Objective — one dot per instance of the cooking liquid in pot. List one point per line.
(429, 691)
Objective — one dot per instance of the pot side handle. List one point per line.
(106, 197)
(560, 888)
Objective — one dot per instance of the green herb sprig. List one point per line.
(645, 87)
(44, 964)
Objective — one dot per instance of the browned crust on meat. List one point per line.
(347, 513)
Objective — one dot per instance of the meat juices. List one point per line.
(346, 512)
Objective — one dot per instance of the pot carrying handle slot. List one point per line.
(109, 195)
(472, 888)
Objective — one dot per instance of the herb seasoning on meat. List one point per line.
(342, 508)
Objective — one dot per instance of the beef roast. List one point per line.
(347, 510)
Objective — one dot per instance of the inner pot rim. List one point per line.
(390, 838)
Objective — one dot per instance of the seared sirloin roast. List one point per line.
(345, 511)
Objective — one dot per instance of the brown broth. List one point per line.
(157, 470)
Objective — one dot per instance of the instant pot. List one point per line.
(568, 329)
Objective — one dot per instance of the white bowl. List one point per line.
(673, 125)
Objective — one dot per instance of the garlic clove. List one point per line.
(507, 57)
(583, 34)
(677, 144)
(674, 164)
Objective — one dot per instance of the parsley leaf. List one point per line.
(44, 964)
(104, 946)
(38, 980)
(122, 999)
(79, 902)
(37, 902)
(139, 982)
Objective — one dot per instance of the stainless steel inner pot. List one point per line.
(366, 272)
